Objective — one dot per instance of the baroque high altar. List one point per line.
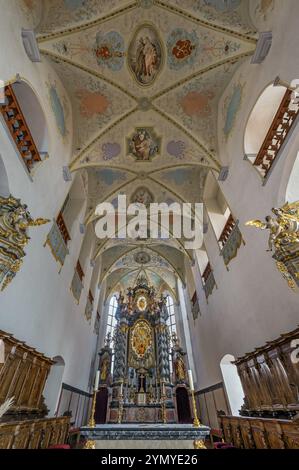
(143, 389)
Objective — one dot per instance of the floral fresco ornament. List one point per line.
(176, 149)
(231, 107)
(110, 50)
(110, 150)
(223, 5)
(58, 107)
(182, 48)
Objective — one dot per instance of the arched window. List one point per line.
(171, 319)
(111, 323)
(171, 323)
(232, 382)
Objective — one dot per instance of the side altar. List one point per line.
(142, 386)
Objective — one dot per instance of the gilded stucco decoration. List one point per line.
(283, 240)
(15, 221)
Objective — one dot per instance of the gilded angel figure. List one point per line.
(284, 227)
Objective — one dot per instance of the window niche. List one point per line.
(26, 124)
(206, 272)
(268, 128)
(225, 226)
(64, 225)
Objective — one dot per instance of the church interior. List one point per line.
(139, 339)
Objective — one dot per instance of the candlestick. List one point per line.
(90, 444)
(196, 422)
(97, 380)
(190, 377)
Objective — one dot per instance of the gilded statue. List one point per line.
(104, 370)
(284, 227)
(180, 370)
(14, 223)
(283, 239)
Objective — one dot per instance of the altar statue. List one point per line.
(283, 240)
(180, 369)
(14, 223)
(284, 228)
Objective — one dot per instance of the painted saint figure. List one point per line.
(141, 144)
(145, 55)
(146, 58)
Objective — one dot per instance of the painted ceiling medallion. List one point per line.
(142, 196)
(145, 55)
(144, 144)
(142, 257)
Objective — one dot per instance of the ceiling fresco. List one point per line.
(145, 79)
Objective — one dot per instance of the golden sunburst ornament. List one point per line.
(141, 303)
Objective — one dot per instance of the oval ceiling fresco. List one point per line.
(145, 55)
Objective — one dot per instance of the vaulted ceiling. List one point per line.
(145, 78)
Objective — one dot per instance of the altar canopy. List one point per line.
(149, 364)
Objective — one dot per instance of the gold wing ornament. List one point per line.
(256, 223)
(38, 222)
(289, 211)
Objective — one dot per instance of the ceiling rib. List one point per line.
(229, 60)
(75, 29)
(206, 24)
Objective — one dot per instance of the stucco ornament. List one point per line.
(283, 239)
(14, 223)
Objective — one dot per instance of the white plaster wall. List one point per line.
(253, 303)
(38, 306)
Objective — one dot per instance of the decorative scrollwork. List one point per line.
(283, 240)
(14, 223)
